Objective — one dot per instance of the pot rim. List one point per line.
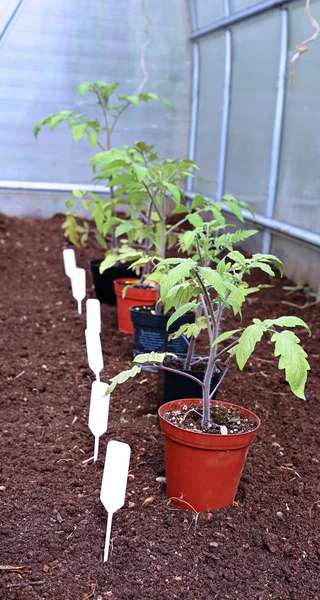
(195, 437)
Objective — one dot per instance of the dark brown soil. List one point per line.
(189, 417)
(265, 546)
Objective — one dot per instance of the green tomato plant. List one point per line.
(191, 284)
(146, 182)
(99, 135)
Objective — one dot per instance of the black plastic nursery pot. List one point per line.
(104, 283)
(150, 331)
(176, 386)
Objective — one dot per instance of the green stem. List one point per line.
(182, 373)
(183, 221)
(192, 343)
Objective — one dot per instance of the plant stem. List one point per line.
(121, 110)
(182, 373)
(192, 343)
(206, 314)
(226, 349)
(206, 295)
(219, 382)
(206, 419)
(152, 198)
(183, 221)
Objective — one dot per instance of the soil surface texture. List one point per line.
(265, 546)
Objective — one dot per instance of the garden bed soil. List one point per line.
(265, 546)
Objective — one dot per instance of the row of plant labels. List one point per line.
(116, 466)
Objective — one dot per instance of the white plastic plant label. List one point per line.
(114, 483)
(69, 261)
(93, 315)
(78, 284)
(98, 413)
(94, 352)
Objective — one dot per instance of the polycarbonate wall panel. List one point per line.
(208, 11)
(212, 57)
(255, 51)
(301, 262)
(53, 46)
(237, 5)
(298, 200)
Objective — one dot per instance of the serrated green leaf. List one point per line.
(100, 239)
(71, 229)
(188, 330)
(93, 137)
(78, 193)
(233, 204)
(236, 256)
(55, 121)
(151, 357)
(292, 360)
(227, 240)
(174, 190)
(78, 131)
(83, 88)
(109, 261)
(263, 267)
(190, 306)
(214, 279)
(125, 228)
(176, 275)
(180, 209)
(195, 220)
(269, 258)
(123, 377)
(287, 321)
(225, 336)
(198, 200)
(140, 172)
(134, 99)
(247, 343)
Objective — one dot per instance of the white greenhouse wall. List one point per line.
(50, 47)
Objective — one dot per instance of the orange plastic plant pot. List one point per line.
(135, 296)
(203, 470)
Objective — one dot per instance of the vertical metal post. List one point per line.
(277, 127)
(226, 108)
(195, 93)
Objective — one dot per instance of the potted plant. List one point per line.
(205, 243)
(102, 211)
(144, 182)
(206, 441)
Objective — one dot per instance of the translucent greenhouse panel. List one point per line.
(212, 51)
(253, 96)
(52, 46)
(299, 180)
(301, 262)
(207, 12)
(237, 5)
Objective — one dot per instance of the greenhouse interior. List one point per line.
(160, 327)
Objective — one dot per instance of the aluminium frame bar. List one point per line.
(226, 107)
(239, 16)
(35, 186)
(277, 127)
(195, 93)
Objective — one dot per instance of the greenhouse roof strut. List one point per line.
(238, 17)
